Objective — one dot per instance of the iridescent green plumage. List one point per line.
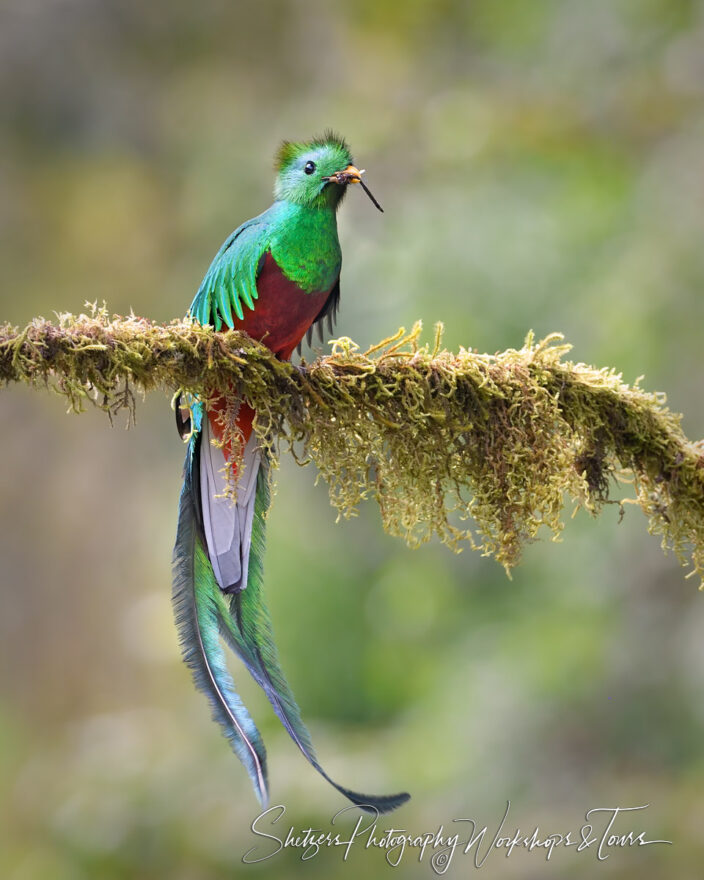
(273, 277)
(299, 230)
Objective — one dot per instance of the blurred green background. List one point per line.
(541, 165)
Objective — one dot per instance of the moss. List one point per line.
(436, 438)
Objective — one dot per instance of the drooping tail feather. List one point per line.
(243, 621)
(248, 631)
(198, 609)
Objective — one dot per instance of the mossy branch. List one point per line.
(435, 437)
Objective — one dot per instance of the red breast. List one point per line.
(280, 319)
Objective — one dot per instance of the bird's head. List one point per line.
(316, 173)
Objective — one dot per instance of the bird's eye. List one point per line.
(309, 167)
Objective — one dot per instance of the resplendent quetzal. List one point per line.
(274, 277)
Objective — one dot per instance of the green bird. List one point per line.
(275, 277)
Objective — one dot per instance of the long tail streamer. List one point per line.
(205, 614)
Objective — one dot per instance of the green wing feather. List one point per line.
(230, 284)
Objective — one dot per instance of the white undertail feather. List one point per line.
(227, 523)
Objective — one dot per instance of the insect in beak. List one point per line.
(351, 174)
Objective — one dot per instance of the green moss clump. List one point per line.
(436, 438)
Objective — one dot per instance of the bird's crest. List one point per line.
(290, 150)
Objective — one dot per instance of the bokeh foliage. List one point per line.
(540, 165)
